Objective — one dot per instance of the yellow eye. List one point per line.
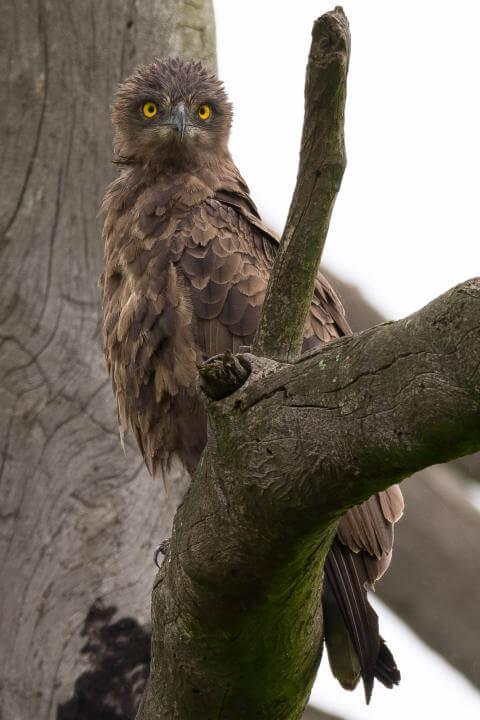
(149, 109)
(204, 112)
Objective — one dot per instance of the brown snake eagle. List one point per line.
(187, 261)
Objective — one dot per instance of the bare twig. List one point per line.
(222, 375)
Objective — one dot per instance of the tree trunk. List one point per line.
(79, 521)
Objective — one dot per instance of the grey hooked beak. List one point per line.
(179, 119)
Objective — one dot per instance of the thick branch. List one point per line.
(322, 163)
(236, 611)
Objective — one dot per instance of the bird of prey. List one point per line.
(187, 261)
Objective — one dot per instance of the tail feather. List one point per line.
(345, 585)
(385, 669)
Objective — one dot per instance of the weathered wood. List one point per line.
(79, 521)
(236, 615)
(322, 163)
(222, 375)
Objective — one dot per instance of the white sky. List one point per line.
(429, 690)
(406, 225)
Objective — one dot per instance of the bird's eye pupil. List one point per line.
(149, 109)
(204, 112)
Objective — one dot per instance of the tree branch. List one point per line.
(322, 163)
(236, 606)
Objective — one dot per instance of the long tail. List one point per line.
(355, 647)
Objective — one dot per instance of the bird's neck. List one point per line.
(179, 183)
(174, 159)
(211, 170)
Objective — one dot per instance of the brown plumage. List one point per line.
(187, 261)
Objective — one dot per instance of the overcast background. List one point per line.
(406, 224)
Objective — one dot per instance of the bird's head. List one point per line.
(168, 111)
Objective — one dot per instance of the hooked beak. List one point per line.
(179, 119)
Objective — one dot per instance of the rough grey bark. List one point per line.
(436, 547)
(78, 520)
(236, 611)
(361, 315)
(322, 163)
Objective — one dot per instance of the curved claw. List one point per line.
(162, 549)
